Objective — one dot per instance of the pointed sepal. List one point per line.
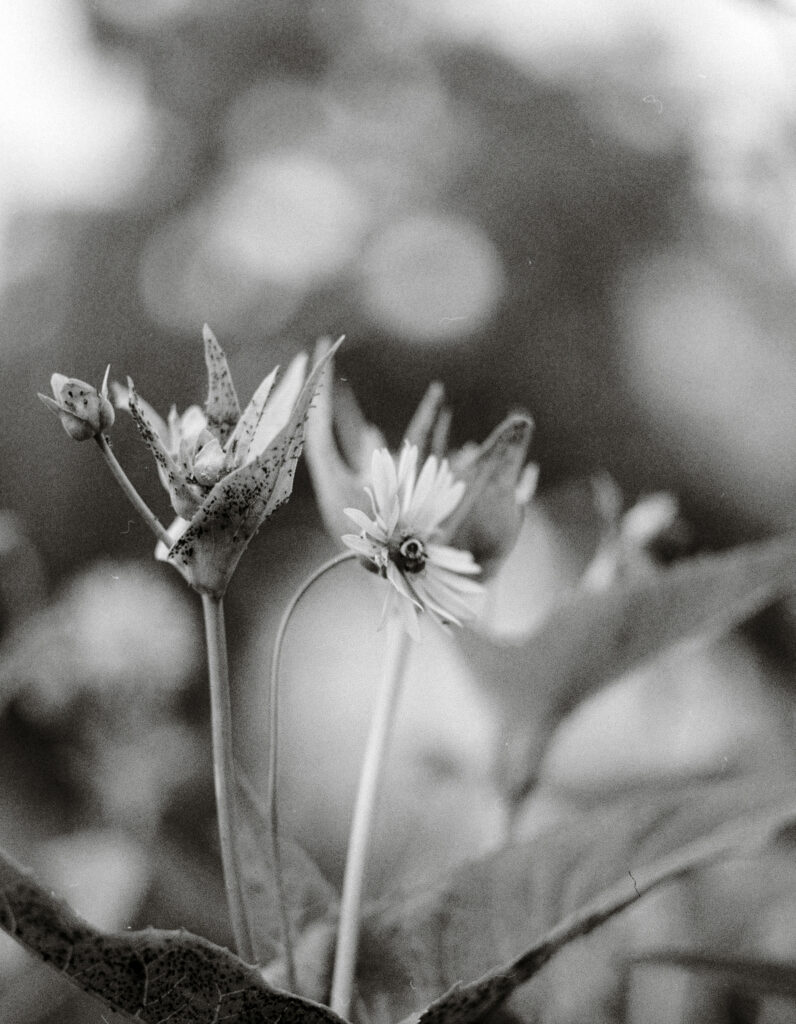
(222, 407)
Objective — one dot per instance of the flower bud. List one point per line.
(83, 411)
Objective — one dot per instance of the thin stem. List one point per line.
(135, 498)
(224, 771)
(273, 749)
(362, 822)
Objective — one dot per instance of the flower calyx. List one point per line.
(226, 470)
(83, 411)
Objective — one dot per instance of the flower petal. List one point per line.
(222, 407)
(398, 580)
(279, 406)
(366, 524)
(121, 399)
(422, 426)
(454, 581)
(435, 497)
(358, 438)
(452, 558)
(489, 517)
(449, 601)
(184, 498)
(188, 427)
(362, 546)
(337, 483)
(384, 483)
(443, 613)
(239, 441)
(407, 474)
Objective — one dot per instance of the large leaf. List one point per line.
(593, 637)
(151, 976)
(500, 919)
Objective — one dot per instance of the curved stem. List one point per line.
(224, 771)
(362, 822)
(135, 498)
(273, 748)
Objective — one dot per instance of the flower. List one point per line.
(340, 447)
(226, 471)
(633, 542)
(402, 542)
(83, 411)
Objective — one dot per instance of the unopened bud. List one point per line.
(83, 411)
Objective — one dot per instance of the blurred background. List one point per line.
(583, 209)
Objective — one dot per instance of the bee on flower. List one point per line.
(498, 483)
(402, 542)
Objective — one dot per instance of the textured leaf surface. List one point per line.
(593, 637)
(151, 976)
(491, 919)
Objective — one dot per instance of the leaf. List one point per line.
(593, 637)
(309, 895)
(500, 919)
(772, 977)
(151, 976)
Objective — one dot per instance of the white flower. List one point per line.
(340, 446)
(226, 470)
(401, 543)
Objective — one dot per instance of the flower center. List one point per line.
(411, 555)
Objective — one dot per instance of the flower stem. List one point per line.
(273, 750)
(224, 771)
(135, 498)
(362, 822)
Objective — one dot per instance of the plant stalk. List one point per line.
(134, 497)
(362, 822)
(273, 758)
(224, 772)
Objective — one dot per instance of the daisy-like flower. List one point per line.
(499, 485)
(402, 541)
(226, 470)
